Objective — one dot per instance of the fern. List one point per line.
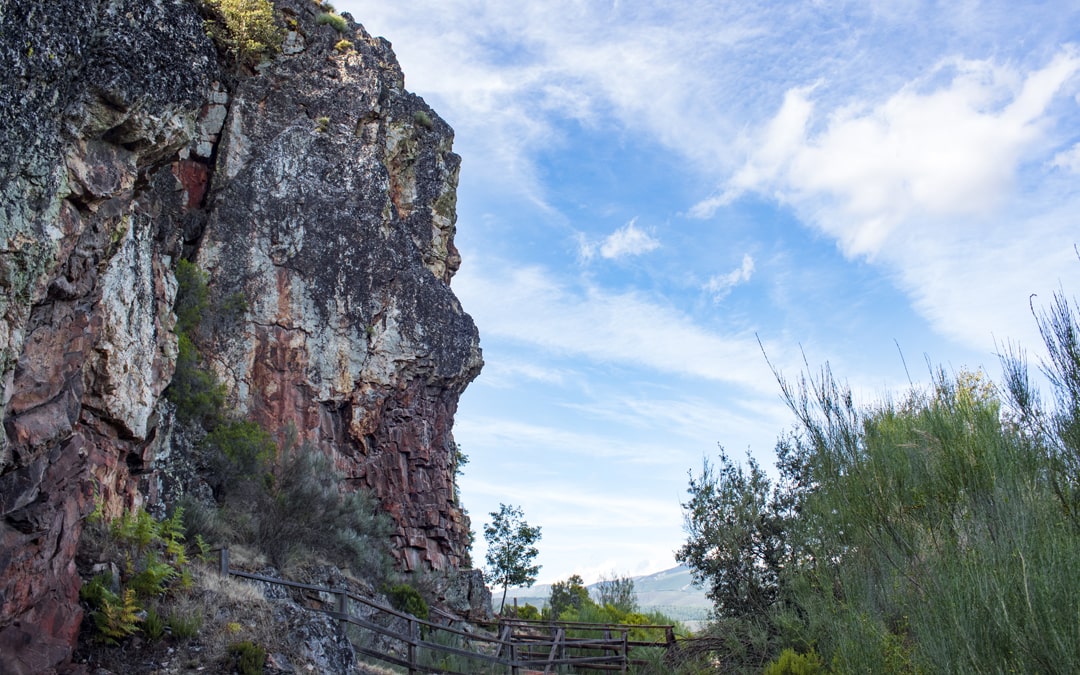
(119, 618)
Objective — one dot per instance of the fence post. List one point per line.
(342, 608)
(625, 650)
(223, 557)
(514, 670)
(414, 637)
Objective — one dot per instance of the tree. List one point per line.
(510, 541)
(569, 594)
(736, 539)
(618, 592)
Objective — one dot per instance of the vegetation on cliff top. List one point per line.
(244, 28)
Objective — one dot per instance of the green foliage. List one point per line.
(245, 28)
(153, 576)
(933, 534)
(117, 617)
(203, 547)
(344, 46)
(527, 612)
(791, 662)
(195, 391)
(152, 562)
(568, 595)
(153, 625)
(185, 625)
(423, 119)
(192, 296)
(510, 550)
(736, 538)
(336, 20)
(241, 450)
(618, 592)
(322, 125)
(291, 509)
(246, 658)
(405, 598)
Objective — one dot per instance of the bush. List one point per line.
(294, 510)
(405, 598)
(792, 663)
(196, 392)
(151, 559)
(423, 119)
(245, 28)
(922, 535)
(344, 46)
(241, 451)
(246, 658)
(336, 20)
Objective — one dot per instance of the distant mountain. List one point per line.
(671, 592)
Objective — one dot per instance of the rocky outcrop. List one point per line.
(331, 216)
(315, 189)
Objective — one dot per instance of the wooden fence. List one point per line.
(428, 647)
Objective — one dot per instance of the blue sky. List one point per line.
(648, 189)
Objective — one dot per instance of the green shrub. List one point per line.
(192, 296)
(152, 562)
(336, 20)
(153, 625)
(527, 612)
(245, 450)
(245, 28)
(344, 46)
(194, 390)
(793, 663)
(405, 598)
(298, 514)
(423, 119)
(185, 625)
(322, 125)
(117, 617)
(246, 658)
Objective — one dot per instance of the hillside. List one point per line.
(670, 591)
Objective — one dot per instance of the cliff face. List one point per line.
(317, 190)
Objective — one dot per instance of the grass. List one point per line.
(331, 19)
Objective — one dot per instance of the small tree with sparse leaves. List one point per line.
(511, 550)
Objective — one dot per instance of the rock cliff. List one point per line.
(319, 196)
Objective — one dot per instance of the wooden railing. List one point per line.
(429, 647)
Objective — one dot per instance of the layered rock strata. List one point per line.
(315, 188)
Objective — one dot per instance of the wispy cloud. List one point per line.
(508, 372)
(720, 285)
(625, 242)
(510, 434)
(527, 304)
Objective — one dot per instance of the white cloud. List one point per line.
(527, 305)
(862, 171)
(1068, 160)
(628, 241)
(505, 373)
(510, 435)
(624, 242)
(720, 285)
